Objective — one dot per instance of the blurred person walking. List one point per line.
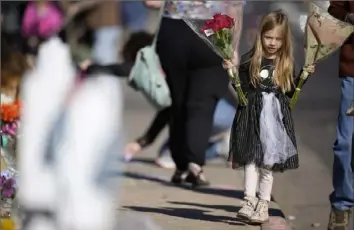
(104, 18)
(134, 15)
(11, 12)
(197, 81)
(218, 142)
(342, 198)
(222, 119)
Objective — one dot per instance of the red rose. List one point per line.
(214, 26)
(223, 21)
(218, 22)
(208, 25)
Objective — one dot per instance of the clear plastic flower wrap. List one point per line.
(324, 34)
(220, 29)
(8, 153)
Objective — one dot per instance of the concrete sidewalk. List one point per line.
(146, 189)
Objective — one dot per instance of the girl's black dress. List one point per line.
(245, 144)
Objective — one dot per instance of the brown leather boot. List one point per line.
(338, 220)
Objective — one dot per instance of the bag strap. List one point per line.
(162, 10)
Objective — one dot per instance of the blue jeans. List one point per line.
(105, 47)
(135, 15)
(223, 118)
(342, 197)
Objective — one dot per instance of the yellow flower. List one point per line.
(7, 224)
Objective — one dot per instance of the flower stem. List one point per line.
(236, 80)
(296, 95)
(218, 34)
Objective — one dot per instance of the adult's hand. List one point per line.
(153, 4)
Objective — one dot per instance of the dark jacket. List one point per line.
(340, 10)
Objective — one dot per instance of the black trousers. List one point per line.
(197, 80)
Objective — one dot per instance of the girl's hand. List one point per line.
(310, 68)
(229, 64)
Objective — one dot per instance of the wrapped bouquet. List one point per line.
(324, 35)
(10, 114)
(221, 30)
(7, 194)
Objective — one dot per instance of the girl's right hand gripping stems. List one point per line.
(233, 73)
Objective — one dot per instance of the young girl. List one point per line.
(263, 136)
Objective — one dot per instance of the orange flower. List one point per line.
(10, 112)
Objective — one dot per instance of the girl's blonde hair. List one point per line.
(284, 62)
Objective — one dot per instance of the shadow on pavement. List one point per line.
(216, 190)
(227, 208)
(217, 162)
(144, 160)
(193, 214)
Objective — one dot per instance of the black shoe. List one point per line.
(177, 177)
(196, 181)
(338, 220)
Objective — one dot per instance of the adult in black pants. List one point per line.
(197, 80)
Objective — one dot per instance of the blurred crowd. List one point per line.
(100, 26)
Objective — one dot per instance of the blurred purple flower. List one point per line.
(2, 181)
(7, 187)
(10, 128)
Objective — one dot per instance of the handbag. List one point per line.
(147, 75)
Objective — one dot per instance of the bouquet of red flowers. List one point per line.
(222, 33)
(219, 29)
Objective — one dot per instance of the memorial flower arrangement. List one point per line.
(220, 32)
(7, 194)
(324, 34)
